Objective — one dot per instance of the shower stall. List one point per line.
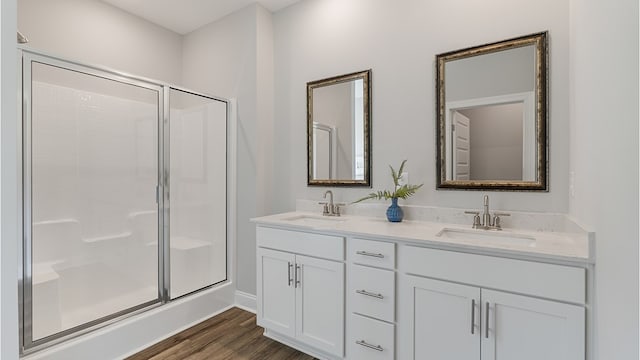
(124, 196)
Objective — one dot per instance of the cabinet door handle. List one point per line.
(366, 253)
(473, 316)
(297, 275)
(486, 324)
(366, 293)
(365, 344)
(289, 278)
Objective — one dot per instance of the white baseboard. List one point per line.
(246, 301)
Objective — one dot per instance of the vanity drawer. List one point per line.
(565, 283)
(372, 292)
(374, 253)
(370, 339)
(300, 242)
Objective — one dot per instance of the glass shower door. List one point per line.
(198, 192)
(91, 211)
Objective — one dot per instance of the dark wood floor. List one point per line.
(227, 336)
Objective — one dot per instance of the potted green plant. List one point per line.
(394, 212)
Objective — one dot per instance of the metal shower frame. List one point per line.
(25, 275)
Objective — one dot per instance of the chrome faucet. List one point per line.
(486, 222)
(486, 216)
(330, 209)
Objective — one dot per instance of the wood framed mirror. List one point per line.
(492, 116)
(339, 130)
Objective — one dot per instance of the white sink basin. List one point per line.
(315, 220)
(487, 236)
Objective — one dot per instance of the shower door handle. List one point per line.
(157, 194)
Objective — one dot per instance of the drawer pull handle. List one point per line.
(289, 278)
(366, 253)
(366, 293)
(365, 344)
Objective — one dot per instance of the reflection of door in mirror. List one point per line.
(492, 138)
(496, 148)
(461, 146)
(338, 115)
(324, 151)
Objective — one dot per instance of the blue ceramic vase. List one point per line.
(394, 212)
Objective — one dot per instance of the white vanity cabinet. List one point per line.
(461, 306)
(377, 292)
(301, 297)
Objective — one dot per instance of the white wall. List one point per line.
(315, 39)
(233, 58)
(96, 33)
(604, 158)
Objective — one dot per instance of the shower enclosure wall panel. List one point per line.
(94, 166)
(197, 192)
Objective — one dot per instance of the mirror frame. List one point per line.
(541, 83)
(366, 77)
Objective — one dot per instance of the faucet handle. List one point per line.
(476, 218)
(325, 211)
(336, 208)
(496, 219)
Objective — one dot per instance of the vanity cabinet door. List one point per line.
(276, 291)
(526, 328)
(443, 319)
(320, 304)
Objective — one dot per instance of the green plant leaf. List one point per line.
(394, 176)
(375, 195)
(401, 192)
(406, 191)
(401, 169)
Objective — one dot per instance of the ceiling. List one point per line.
(184, 16)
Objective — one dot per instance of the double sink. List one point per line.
(443, 233)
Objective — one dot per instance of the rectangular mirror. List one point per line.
(492, 114)
(338, 130)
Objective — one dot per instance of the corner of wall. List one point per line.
(265, 108)
(9, 182)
